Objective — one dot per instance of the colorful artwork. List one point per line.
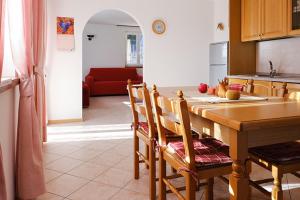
(65, 33)
(65, 25)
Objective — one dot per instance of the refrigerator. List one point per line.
(218, 62)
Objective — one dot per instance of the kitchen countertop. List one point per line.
(282, 78)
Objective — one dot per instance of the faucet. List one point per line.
(272, 70)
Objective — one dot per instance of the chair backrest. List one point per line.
(293, 95)
(173, 115)
(140, 102)
(249, 87)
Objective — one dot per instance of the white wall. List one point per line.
(107, 48)
(179, 57)
(221, 14)
(283, 53)
(8, 107)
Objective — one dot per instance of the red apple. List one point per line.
(203, 88)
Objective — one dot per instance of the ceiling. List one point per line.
(113, 17)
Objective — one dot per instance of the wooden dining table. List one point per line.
(242, 125)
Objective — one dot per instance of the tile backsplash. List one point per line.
(284, 53)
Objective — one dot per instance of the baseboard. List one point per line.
(63, 121)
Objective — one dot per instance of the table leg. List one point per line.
(239, 179)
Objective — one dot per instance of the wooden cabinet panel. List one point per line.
(293, 87)
(237, 81)
(274, 18)
(262, 88)
(251, 20)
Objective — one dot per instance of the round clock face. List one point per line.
(159, 27)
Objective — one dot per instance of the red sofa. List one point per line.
(111, 81)
(85, 95)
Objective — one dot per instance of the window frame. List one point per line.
(138, 37)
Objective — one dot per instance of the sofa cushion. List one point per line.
(113, 74)
(209, 152)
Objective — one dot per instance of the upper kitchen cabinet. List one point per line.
(274, 19)
(294, 17)
(251, 20)
(263, 19)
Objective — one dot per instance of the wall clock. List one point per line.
(159, 26)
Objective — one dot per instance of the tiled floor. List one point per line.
(92, 160)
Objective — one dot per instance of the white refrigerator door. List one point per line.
(217, 72)
(218, 54)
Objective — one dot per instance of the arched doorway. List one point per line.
(111, 40)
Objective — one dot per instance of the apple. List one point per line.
(211, 91)
(202, 88)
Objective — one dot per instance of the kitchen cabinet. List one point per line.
(263, 19)
(294, 17)
(267, 88)
(251, 20)
(262, 88)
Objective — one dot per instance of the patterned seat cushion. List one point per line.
(284, 153)
(209, 152)
(145, 128)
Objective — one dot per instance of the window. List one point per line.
(135, 49)
(8, 70)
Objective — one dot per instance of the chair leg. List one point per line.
(152, 172)
(209, 190)
(162, 175)
(190, 187)
(147, 155)
(277, 193)
(136, 148)
(249, 170)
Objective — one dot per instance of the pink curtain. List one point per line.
(30, 175)
(39, 54)
(2, 14)
(2, 177)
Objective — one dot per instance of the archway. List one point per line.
(111, 39)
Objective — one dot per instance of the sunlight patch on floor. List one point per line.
(89, 133)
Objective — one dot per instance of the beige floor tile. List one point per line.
(62, 149)
(50, 157)
(63, 164)
(88, 170)
(126, 194)
(49, 196)
(140, 185)
(115, 177)
(50, 175)
(109, 158)
(65, 185)
(100, 146)
(124, 149)
(94, 191)
(83, 154)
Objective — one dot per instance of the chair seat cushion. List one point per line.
(283, 153)
(145, 128)
(209, 152)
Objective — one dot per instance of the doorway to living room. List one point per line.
(112, 53)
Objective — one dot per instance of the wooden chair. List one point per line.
(144, 129)
(249, 87)
(194, 159)
(280, 159)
